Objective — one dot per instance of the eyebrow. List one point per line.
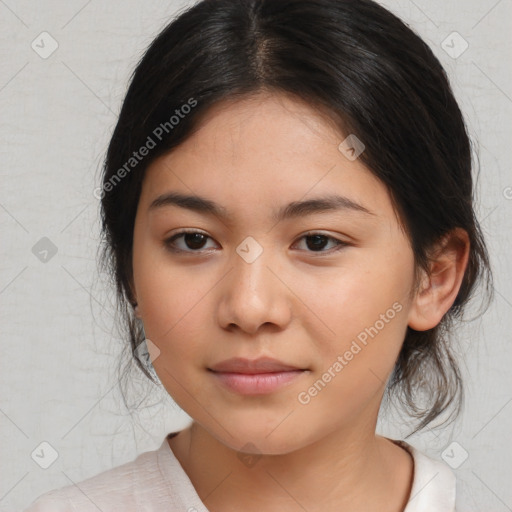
(292, 210)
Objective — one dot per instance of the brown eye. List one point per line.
(188, 241)
(194, 240)
(318, 242)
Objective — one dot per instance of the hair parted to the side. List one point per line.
(375, 77)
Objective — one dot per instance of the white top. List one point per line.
(155, 481)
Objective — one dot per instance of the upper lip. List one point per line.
(253, 366)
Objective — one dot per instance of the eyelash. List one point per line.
(169, 242)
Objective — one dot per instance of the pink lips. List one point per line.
(254, 377)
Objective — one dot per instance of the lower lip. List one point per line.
(258, 383)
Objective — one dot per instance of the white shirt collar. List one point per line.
(433, 486)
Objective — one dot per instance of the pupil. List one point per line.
(194, 240)
(319, 241)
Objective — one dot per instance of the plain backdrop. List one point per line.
(60, 347)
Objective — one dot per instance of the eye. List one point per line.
(195, 242)
(317, 242)
(188, 241)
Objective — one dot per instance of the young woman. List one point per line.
(287, 211)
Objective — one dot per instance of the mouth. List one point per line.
(255, 377)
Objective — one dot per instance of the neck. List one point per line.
(352, 470)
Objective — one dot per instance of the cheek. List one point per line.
(365, 306)
(174, 309)
(353, 364)
(352, 298)
(177, 323)
(168, 292)
(173, 302)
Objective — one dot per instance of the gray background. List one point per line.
(59, 344)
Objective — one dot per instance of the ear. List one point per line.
(438, 289)
(135, 305)
(132, 298)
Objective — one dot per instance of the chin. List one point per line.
(255, 436)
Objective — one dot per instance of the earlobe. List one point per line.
(439, 288)
(132, 298)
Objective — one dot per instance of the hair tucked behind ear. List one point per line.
(378, 80)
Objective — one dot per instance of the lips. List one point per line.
(255, 377)
(254, 366)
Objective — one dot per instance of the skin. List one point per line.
(293, 303)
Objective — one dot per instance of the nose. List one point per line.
(253, 297)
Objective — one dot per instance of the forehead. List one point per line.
(260, 151)
(276, 122)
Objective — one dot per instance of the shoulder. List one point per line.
(433, 486)
(120, 488)
(53, 501)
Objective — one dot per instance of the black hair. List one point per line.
(377, 79)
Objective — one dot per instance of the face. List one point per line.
(279, 313)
